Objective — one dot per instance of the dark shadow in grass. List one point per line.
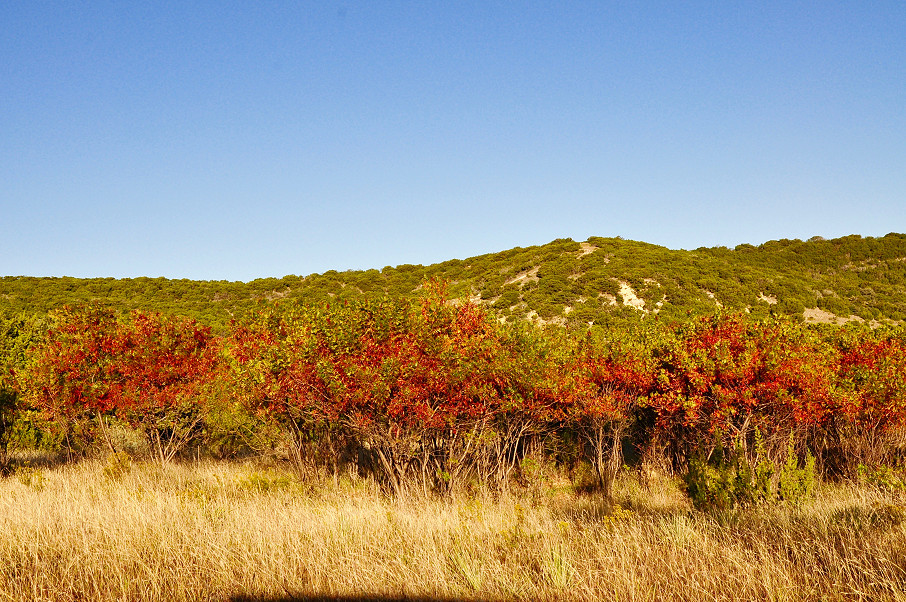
(41, 460)
(359, 598)
(590, 506)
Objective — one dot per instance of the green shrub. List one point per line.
(32, 431)
(724, 481)
(117, 466)
(30, 477)
(728, 479)
(796, 483)
(264, 481)
(883, 477)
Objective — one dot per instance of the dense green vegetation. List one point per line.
(563, 281)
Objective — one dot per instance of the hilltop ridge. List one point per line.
(597, 281)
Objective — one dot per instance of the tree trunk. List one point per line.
(606, 440)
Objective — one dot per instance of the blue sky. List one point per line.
(244, 140)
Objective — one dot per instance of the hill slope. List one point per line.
(601, 280)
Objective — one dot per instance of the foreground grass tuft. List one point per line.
(223, 531)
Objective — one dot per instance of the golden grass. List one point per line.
(219, 531)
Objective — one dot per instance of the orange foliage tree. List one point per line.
(147, 369)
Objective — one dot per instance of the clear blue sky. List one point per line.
(243, 140)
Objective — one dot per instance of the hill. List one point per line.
(602, 280)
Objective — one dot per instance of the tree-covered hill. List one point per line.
(601, 280)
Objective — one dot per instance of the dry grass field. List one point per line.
(230, 531)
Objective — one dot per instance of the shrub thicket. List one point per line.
(436, 396)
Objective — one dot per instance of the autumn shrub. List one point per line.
(607, 380)
(118, 436)
(871, 373)
(145, 369)
(8, 409)
(427, 393)
(232, 431)
(735, 377)
(434, 395)
(17, 334)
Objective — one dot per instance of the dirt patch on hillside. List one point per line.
(611, 300)
(711, 296)
(525, 276)
(815, 315)
(630, 298)
(586, 248)
(533, 317)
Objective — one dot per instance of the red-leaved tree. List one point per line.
(724, 376)
(431, 391)
(146, 369)
(872, 373)
(610, 379)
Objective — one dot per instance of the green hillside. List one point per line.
(601, 280)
